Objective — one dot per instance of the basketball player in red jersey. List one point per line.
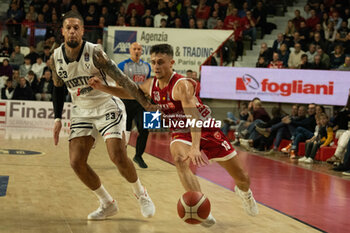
(176, 95)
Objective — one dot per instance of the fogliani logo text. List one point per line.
(20, 109)
(284, 89)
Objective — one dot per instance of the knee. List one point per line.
(179, 162)
(119, 157)
(77, 164)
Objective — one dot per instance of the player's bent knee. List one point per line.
(78, 164)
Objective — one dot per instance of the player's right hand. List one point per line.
(56, 131)
(95, 83)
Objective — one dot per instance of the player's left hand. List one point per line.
(196, 157)
(95, 83)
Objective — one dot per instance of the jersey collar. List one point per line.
(80, 53)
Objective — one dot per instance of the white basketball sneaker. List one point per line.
(147, 207)
(104, 211)
(248, 200)
(210, 221)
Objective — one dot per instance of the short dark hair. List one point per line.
(162, 48)
(72, 14)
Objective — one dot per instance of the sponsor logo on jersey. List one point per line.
(123, 40)
(86, 57)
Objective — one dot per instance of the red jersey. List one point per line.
(171, 108)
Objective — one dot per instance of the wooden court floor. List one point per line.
(44, 195)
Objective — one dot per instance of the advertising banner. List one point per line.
(31, 114)
(275, 85)
(191, 47)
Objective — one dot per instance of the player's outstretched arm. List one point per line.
(57, 99)
(184, 92)
(102, 61)
(120, 92)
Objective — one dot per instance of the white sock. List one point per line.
(249, 192)
(138, 188)
(102, 194)
(127, 137)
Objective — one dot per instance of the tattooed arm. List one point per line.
(57, 100)
(102, 61)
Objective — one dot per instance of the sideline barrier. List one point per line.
(275, 85)
(31, 114)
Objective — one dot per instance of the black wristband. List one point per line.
(58, 101)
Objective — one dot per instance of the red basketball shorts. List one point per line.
(213, 143)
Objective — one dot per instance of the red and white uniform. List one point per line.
(213, 142)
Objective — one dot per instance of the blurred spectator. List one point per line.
(317, 64)
(318, 29)
(27, 25)
(149, 22)
(313, 20)
(121, 21)
(260, 14)
(202, 10)
(219, 24)
(16, 58)
(159, 17)
(33, 13)
(162, 23)
(231, 18)
(296, 40)
(297, 19)
(278, 42)
(342, 33)
(337, 58)
(306, 12)
(324, 57)
(15, 78)
(45, 87)
(200, 24)
(192, 23)
(32, 81)
(7, 91)
(336, 20)
(325, 20)
(6, 69)
(275, 63)
(330, 32)
(343, 150)
(311, 53)
(346, 65)
(33, 55)
(189, 73)
(262, 63)
(38, 67)
(248, 24)
(243, 12)
(110, 18)
(6, 48)
(14, 18)
(171, 18)
(322, 138)
(134, 15)
(265, 52)
(91, 21)
(23, 91)
(211, 23)
(46, 55)
(304, 35)
(232, 120)
(319, 41)
(25, 68)
(290, 29)
(284, 54)
(294, 60)
(305, 63)
(138, 6)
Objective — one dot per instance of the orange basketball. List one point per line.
(193, 207)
